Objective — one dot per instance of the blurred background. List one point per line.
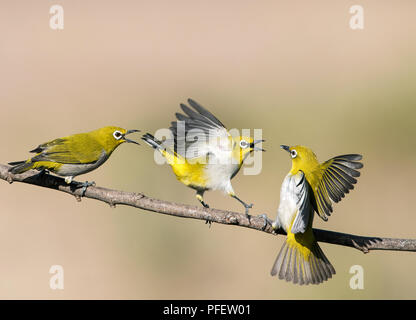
(294, 69)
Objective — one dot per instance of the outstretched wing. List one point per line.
(76, 149)
(195, 131)
(338, 178)
(301, 191)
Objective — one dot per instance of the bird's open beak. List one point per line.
(128, 140)
(252, 146)
(287, 148)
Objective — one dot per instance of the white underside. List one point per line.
(288, 207)
(219, 177)
(76, 169)
(219, 171)
(72, 170)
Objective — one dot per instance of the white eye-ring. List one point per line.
(293, 154)
(117, 134)
(243, 144)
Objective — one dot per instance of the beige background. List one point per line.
(292, 68)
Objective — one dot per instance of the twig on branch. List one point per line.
(139, 200)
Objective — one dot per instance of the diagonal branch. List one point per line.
(139, 200)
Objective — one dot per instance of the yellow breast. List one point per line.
(190, 174)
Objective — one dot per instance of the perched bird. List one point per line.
(203, 155)
(308, 187)
(76, 154)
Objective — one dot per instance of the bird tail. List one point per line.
(20, 166)
(152, 141)
(171, 156)
(302, 261)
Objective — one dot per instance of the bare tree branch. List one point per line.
(139, 200)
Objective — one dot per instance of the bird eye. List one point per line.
(293, 153)
(117, 135)
(243, 144)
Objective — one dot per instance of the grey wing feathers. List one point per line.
(302, 192)
(198, 125)
(338, 179)
(199, 118)
(205, 112)
(47, 145)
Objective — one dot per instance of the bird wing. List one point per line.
(200, 128)
(338, 178)
(75, 149)
(302, 192)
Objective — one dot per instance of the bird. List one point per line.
(310, 187)
(203, 154)
(75, 154)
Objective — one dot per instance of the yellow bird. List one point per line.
(76, 154)
(308, 187)
(203, 155)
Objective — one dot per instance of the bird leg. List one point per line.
(83, 185)
(246, 206)
(68, 180)
(199, 196)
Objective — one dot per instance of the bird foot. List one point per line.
(209, 222)
(84, 186)
(266, 221)
(247, 207)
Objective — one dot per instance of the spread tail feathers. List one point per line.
(20, 166)
(302, 264)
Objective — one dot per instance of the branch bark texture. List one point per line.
(139, 200)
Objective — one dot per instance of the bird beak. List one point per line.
(287, 148)
(128, 140)
(252, 146)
